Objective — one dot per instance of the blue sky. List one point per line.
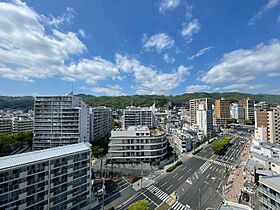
(127, 47)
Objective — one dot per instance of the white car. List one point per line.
(249, 190)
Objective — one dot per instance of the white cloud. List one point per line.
(26, 51)
(168, 5)
(158, 42)
(82, 33)
(197, 88)
(244, 65)
(200, 53)
(66, 17)
(109, 90)
(149, 80)
(278, 19)
(188, 14)
(270, 5)
(91, 70)
(190, 28)
(168, 59)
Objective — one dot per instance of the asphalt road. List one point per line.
(199, 181)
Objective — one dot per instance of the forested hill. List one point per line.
(26, 102)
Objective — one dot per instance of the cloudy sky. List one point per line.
(127, 47)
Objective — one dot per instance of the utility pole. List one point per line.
(199, 199)
(103, 192)
(141, 175)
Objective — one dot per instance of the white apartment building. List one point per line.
(6, 125)
(205, 114)
(59, 121)
(261, 133)
(237, 112)
(21, 124)
(100, 123)
(183, 140)
(134, 116)
(50, 179)
(137, 143)
(201, 119)
(269, 193)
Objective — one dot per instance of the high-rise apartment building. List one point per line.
(134, 116)
(100, 123)
(237, 112)
(56, 178)
(248, 106)
(207, 107)
(222, 112)
(267, 124)
(137, 143)
(59, 121)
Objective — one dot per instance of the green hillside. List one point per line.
(26, 102)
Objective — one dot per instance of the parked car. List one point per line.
(245, 196)
(249, 190)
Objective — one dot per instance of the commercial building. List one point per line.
(137, 143)
(100, 123)
(6, 125)
(21, 124)
(222, 112)
(267, 124)
(59, 121)
(237, 112)
(56, 178)
(269, 192)
(205, 116)
(134, 116)
(183, 140)
(248, 106)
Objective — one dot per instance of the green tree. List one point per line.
(247, 122)
(231, 120)
(97, 151)
(140, 205)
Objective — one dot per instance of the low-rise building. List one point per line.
(137, 143)
(56, 178)
(183, 140)
(6, 125)
(21, 124)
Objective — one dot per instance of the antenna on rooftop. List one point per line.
(72, 92)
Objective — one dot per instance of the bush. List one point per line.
(112, 208)
(197, 151)
(171, 168)
(140, 205)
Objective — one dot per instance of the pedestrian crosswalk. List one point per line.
(179, 206)
(226, 165)
(157, 192)
(205, 166)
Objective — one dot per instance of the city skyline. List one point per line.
(167, 47)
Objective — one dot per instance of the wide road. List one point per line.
(198, 182)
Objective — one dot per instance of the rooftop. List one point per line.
(272, 181)
(41, 155)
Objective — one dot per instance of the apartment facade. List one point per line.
(21, 124)
(6, 125)
(134, 116)
(100, 123)
(201, 114)
(56, 178)
(249, 111)
(59, 121)
(222, 112)
(269, 192)
(237, 112)
(267, 124)
(137, 143)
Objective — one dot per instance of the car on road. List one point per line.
(245, 196)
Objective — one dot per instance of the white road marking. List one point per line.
(169, 187)
(180, 177)
(163, 184)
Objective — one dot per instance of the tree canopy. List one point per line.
(220, 145)
(140, 205)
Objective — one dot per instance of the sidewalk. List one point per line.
(237, 178)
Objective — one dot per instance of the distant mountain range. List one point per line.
(26, 102)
